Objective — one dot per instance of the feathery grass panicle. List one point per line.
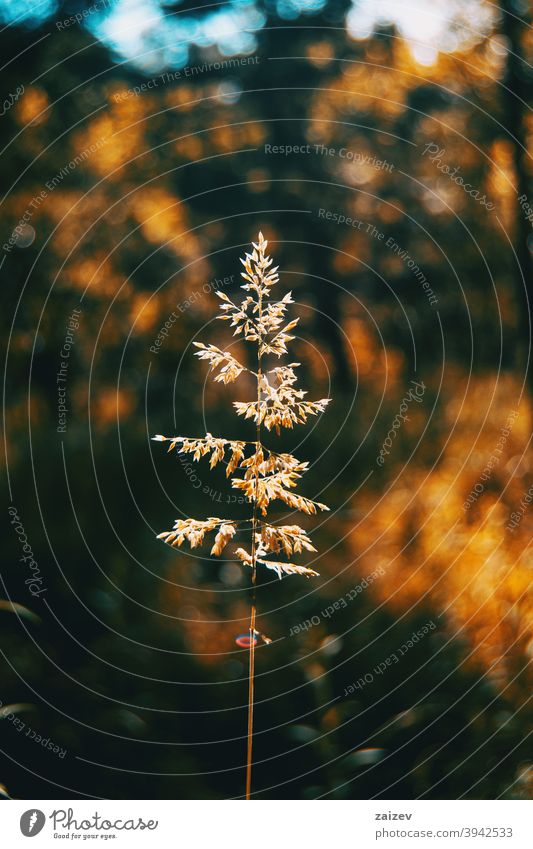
(265, 475)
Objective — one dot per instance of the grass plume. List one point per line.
(261, 474)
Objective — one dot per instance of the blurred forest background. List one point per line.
(135, 169)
